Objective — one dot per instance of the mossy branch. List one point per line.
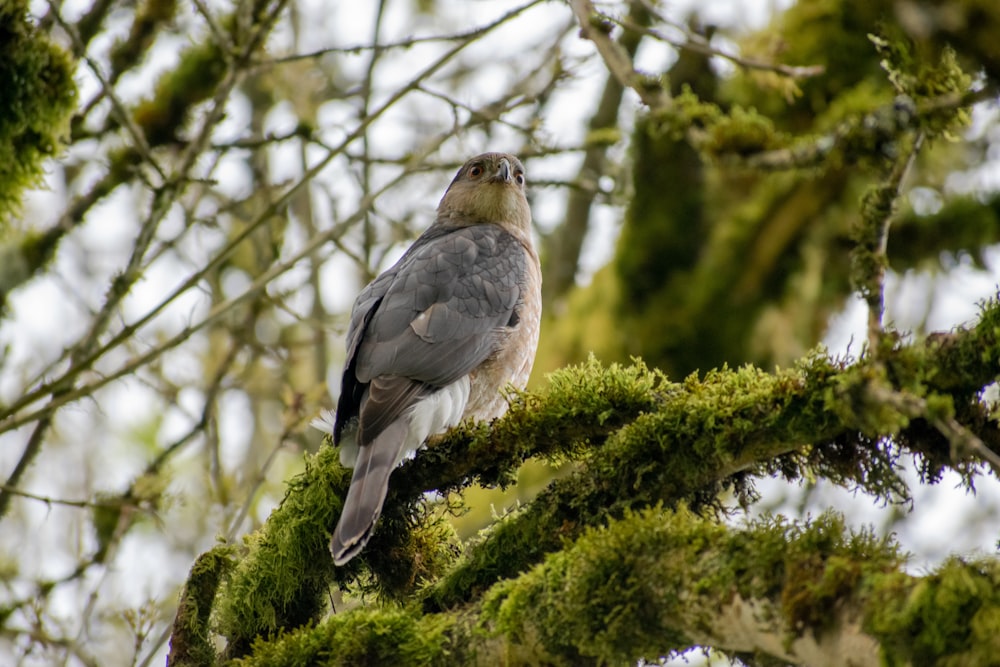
(657, 583)
(640, 441)
(190, 644)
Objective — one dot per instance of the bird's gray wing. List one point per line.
(431, 318)
(442, 314)
(352, 392)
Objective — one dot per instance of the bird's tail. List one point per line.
(369, 484)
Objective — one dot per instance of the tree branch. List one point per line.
(657, 584)
(597, 29)
(641, 441)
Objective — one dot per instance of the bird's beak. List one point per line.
(504, 171)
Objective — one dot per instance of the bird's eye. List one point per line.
(519, 177)
(476, 171)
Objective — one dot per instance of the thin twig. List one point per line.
(874, 291)
(698, 44)
(114, 503)
(107, 88)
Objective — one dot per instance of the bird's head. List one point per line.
(488, 188)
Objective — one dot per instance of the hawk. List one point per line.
(434, 339)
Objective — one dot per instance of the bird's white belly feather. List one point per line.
(435, 414)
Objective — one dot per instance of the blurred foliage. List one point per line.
(722, 263)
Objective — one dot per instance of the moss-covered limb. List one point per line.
(862, 139)
(654, 583)
(660, 582)
(746, 139)
(39, 94)
(669, 442)
(948, 617)
(932, 95)
(703, 432)
(805, 594)
(818, 419)
(580, 405)
(365, 636)
(190, 644)
(281, 581)
(579, 409)
(200, 70)
(960, 362)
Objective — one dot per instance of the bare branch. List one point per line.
(596, 28)
(877, 214)
(698, 44)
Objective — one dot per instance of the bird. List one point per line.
(434, 339)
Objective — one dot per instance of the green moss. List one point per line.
(282, 580)
(650, 583)
(925, 72)
(738, 131)
(190, 644)
(593, 600)
(705, 436)
(390, 636)
(193, 80)
(949, 617)
(39, 94)
(653, 584)
(580, 406)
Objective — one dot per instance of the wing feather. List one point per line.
(437, 314)
(442, 314)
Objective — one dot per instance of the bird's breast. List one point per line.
(514, 354)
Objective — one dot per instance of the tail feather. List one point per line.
(369, 485)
